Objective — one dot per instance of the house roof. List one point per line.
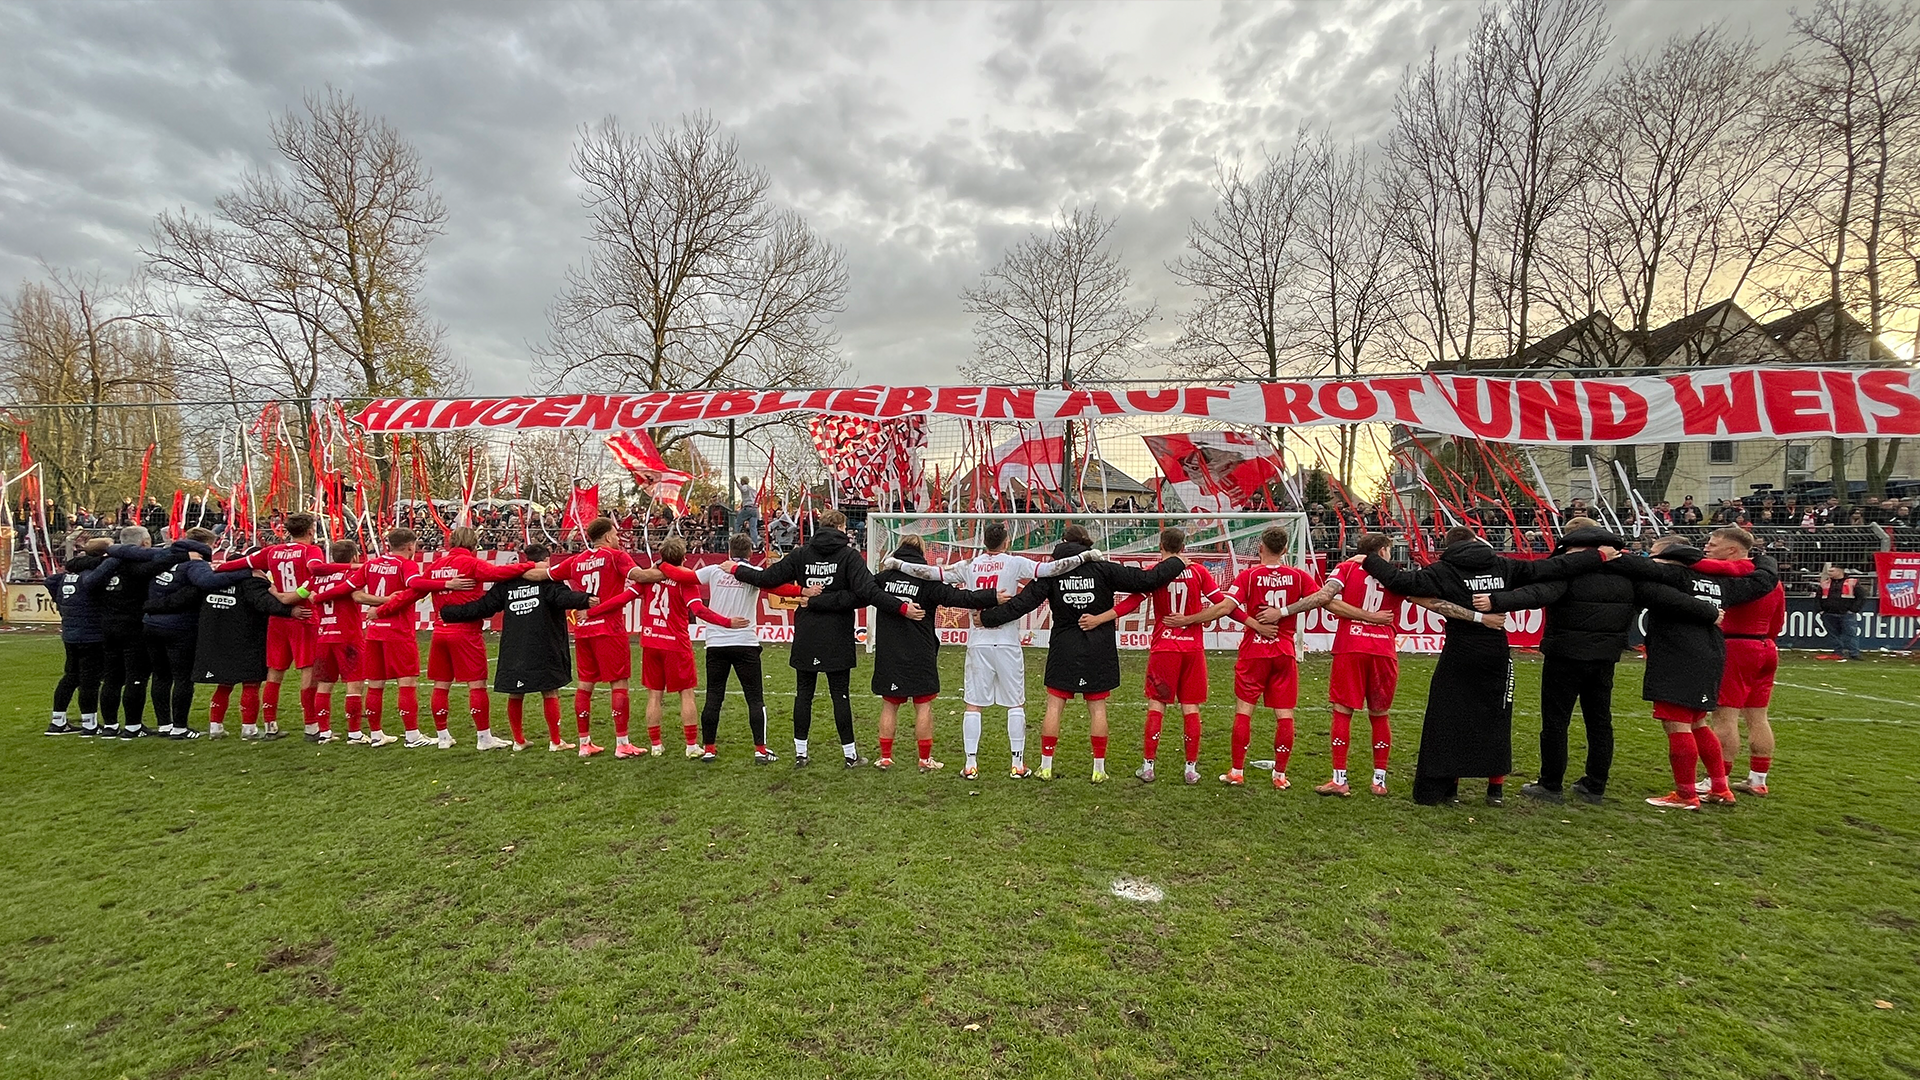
(1804, 335)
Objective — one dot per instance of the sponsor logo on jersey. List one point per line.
(222, 600)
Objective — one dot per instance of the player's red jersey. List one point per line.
(461, 563)
(1765, 617)
(284, 564)
(1189, 594)
(1359, 589)
(602, 574)
(1261, 587)
(387, 577)
(336, 613)
(667, 608)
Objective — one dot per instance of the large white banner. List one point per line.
(1701, 404)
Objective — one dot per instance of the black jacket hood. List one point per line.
(80, 564)
(1066, 549)
(1475, 555)
(908, 553)
(1590, 536)
(828, 541)
(1684, 554)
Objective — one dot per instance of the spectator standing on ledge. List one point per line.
(1840, 597)
(749, 522)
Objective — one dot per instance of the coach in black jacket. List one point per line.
(1587, 619)
(130, 567)
(1685, 660)
(825, 567)
(535, 656)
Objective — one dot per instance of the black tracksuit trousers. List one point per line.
(743, 660)
(1564, 682)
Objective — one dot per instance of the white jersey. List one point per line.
(1003, 573)
(730, 598)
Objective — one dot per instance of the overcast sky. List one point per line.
(921, 138)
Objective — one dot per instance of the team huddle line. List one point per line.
(142, 622)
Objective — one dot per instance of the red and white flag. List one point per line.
(1035, 458)
(635, 451)
(1215, 470)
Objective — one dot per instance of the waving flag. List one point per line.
(1215, 470)
(635, 451)
(1035, 458)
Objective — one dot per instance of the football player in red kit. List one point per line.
(290, 641)
(666, 645)
(1366, 667)
(392, 650)
(1268, 598)
(602, 653)
(1176, 657)
(1753, 660)
(340, 654)
(456, 652)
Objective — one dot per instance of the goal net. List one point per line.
(1225, 543)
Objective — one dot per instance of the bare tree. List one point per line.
(1442, 159)
(1350, 285)
(1241, 260)
(76, 340)
(1856, 96)
(1057, 310)
(307, 279)
(695, 278)
(1550, 51)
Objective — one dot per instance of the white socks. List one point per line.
(970, 731)
(1380, 777)
(849, 750)
(799, 748)
(61, 717)
(1757, 779)
(1339, 776)
(89, 721)
(1017, 731)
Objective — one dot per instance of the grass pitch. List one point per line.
(230, 909)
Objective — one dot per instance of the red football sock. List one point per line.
(1711, 757)
(375, 703)
(1156, 719)
(1048, 744)
(1342, 735)
(620, 713)
(480, 707)
(1282, 742)
(322, 711)
(583, 711)
(269, 697)
(1496, 781)
(1099, 747)
(926, 749)
(653, 734)
(711, 748)
(309, 706)
(886, 748)
(437, 704)
(1683, 752)
(355, 703)
(1382, 741)
(410, 708)
(1760, 764)
(551, 707)
(516, 718)
(1191, 721)
(692, 732)
(1242, 736)
(217, 710)
(250, 703)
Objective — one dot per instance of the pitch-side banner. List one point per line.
(1722, 403)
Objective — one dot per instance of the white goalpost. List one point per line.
(1225, 542)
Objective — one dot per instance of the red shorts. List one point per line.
(290, 644)
(667, 671)
(386, 660)
(921, 700)
(1177, 677)
(1068, 695)
(457, 658)
(1364, 681)
(1668, 713)
(1273, 681)
(604, 658)
(1747, 682)
(339, 661)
